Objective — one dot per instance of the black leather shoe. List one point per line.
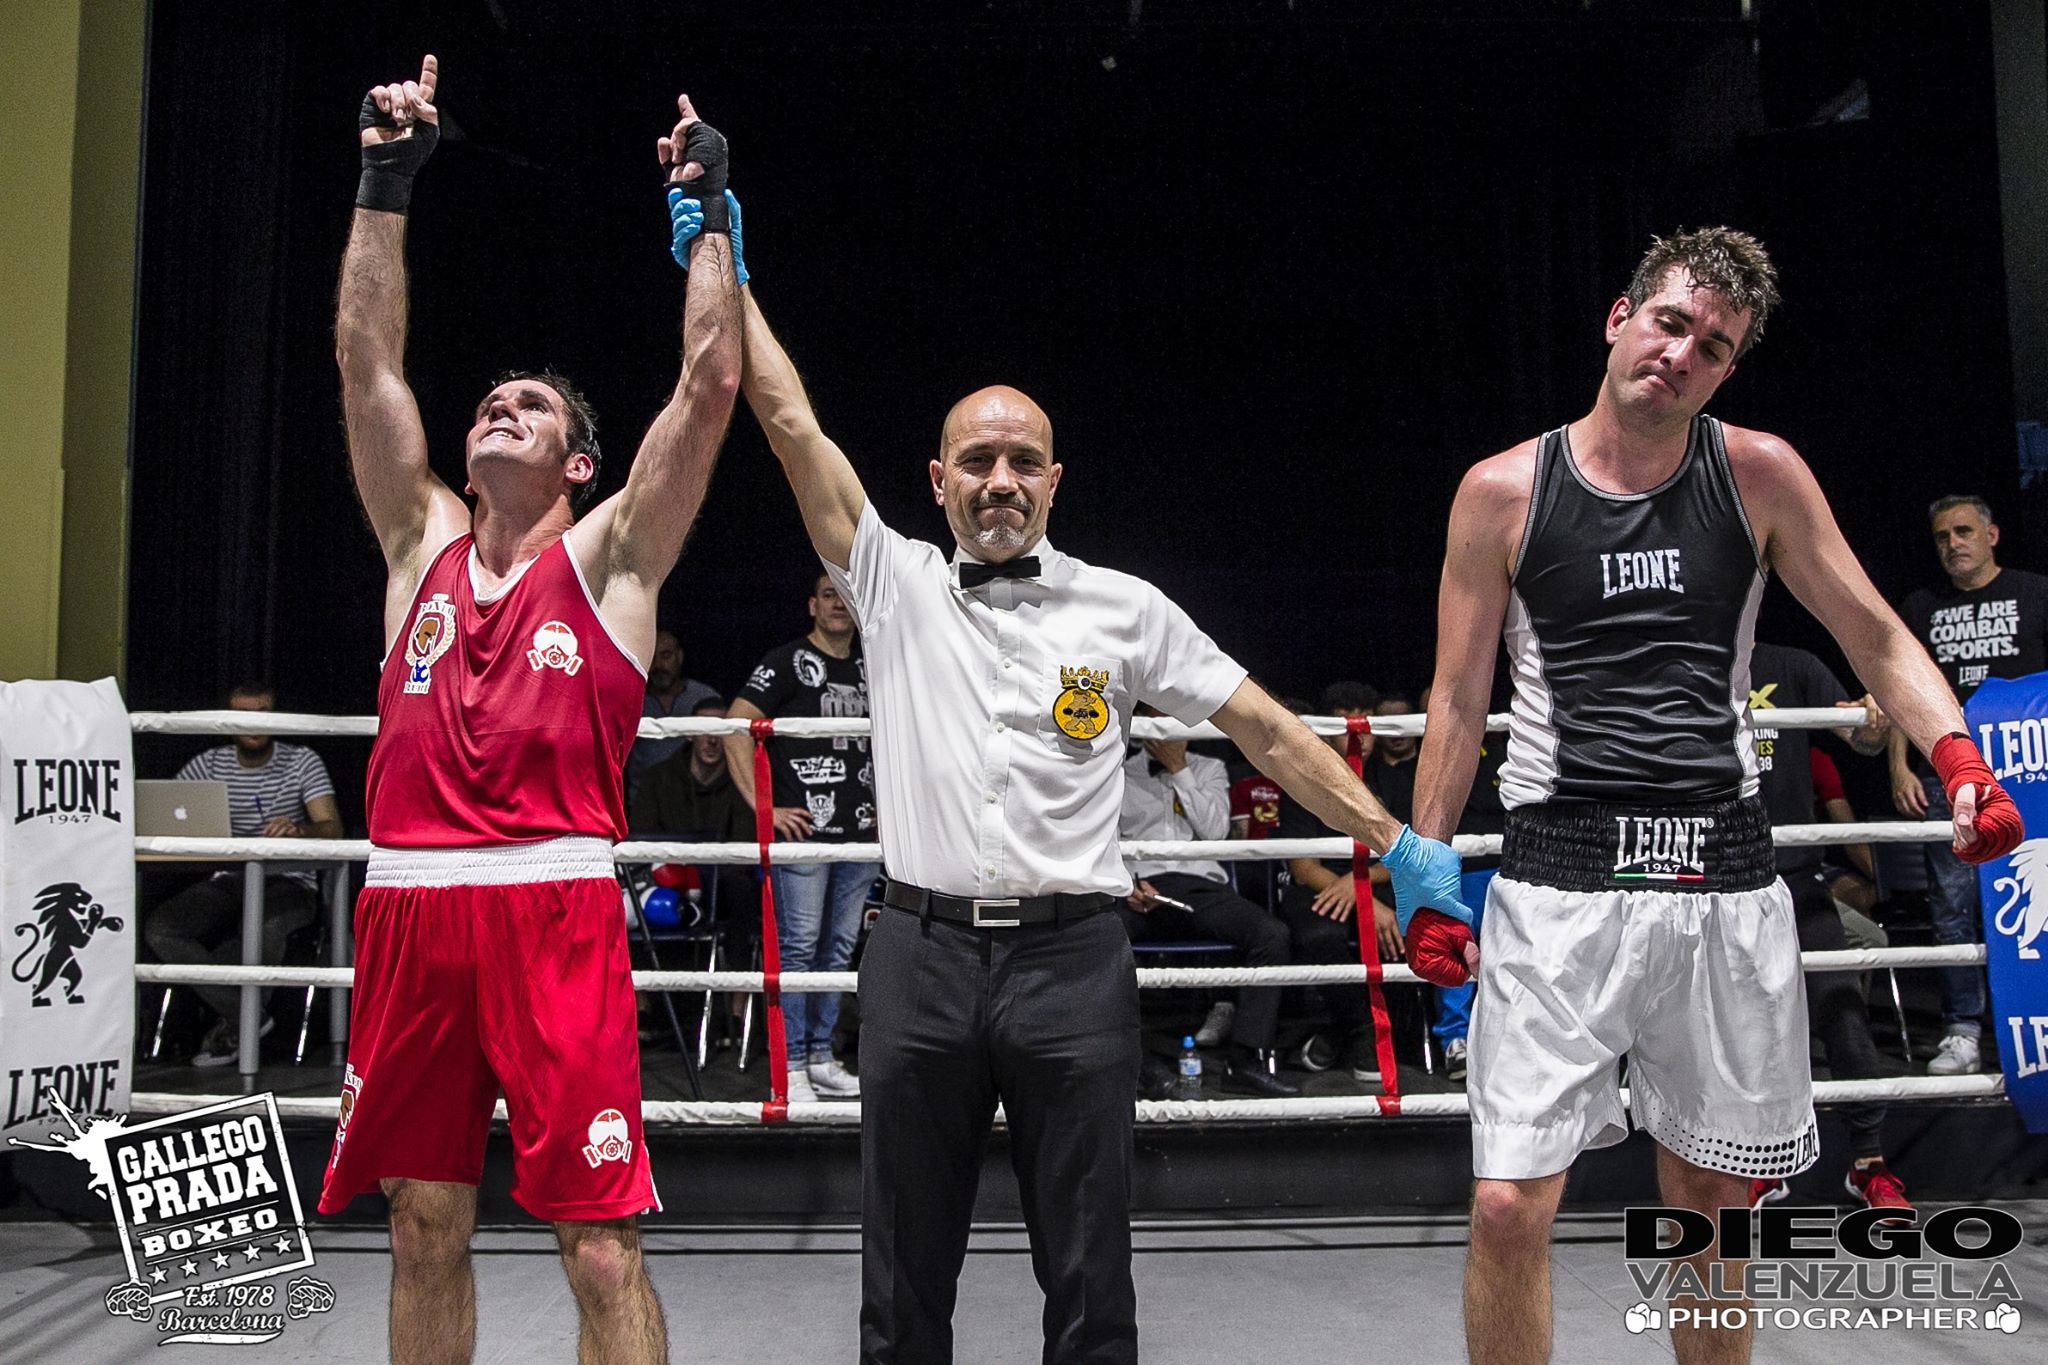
(1252, 1078)
(1155, 1078)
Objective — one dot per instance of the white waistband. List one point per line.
(572, 857)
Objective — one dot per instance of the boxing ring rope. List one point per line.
(256, 852)
(846, 1113)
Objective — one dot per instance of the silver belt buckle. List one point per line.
(982, 921)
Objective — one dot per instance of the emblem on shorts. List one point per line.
(351, 1090)
(608, 1139)
(1661, 848)
(1082, 710)
(554, 646)
(433, 631)
(2024, 913)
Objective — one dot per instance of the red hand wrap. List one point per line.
(1999, 829)
(1436, 948)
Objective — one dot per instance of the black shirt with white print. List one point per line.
(1997, 631)
(833, 780)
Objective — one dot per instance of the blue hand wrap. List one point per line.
(686, 220)
(1426, 875)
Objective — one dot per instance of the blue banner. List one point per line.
(2009, 716)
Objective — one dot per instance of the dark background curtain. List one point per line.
(1279, 274)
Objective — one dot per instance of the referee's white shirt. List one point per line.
(981, 793)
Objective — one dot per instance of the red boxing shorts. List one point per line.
(488, 967)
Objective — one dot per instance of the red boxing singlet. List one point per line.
(506, 720)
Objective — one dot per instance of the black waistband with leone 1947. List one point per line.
(1598, 846)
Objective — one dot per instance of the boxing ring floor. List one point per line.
(1210, 1292)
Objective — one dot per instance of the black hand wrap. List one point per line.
(388, 167)
(705, 145)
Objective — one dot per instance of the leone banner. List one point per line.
(67, 898)
(2009, 717)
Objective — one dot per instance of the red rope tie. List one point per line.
(1356, 728)
(776, 1107)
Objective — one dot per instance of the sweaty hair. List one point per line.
(582, 428)
(1955, 500)
(1718, 258)
(1349, 696)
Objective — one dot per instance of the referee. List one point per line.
(1001, 684)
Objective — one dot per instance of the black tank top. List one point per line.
(1628, 633)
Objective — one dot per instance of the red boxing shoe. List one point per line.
(1999, 829)
(1436, 948)
(1876, 1186)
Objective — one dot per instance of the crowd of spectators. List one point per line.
(1986, 621)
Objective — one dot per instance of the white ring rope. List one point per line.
(1149, 978)
(846, 1113)
(1405, 726)
(1145, 850)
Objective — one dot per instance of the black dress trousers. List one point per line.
(1043, 1018)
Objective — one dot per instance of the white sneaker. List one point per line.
(831, 1079)
(223, 1042)
(1215, 1030)
(800, 1091)
(1957, 1056)
(1454, 1059)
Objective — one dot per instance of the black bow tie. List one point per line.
(973, 573)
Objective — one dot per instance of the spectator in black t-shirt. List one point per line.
(824, 790)
(1321, 900)
(1782, 678)
(691, 794)
(1989, 622)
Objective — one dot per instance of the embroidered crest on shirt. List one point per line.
(554, 646)
(433, 631)
(1081, 711)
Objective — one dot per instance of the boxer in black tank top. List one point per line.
(1637, 911)
(1629, 632)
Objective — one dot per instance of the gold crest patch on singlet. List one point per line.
(1082, 709)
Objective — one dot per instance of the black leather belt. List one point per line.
(1011, 912)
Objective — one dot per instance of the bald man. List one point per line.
(1001, 682)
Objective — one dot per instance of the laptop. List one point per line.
(188, 810)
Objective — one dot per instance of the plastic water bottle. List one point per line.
(1187, 1082)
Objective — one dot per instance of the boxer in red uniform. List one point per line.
(490, 949)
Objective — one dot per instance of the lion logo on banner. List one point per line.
(66, 919)
(2025, 912)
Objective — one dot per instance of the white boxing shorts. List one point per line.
(1662, 935)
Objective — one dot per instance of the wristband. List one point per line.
(707, 147)
(686, 220)
(388, 167)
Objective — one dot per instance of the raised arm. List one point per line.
(828, 492)
(636, 537)
(1486, 519)
(412, 513)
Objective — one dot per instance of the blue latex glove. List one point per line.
(686, 220)
(1426, 874)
